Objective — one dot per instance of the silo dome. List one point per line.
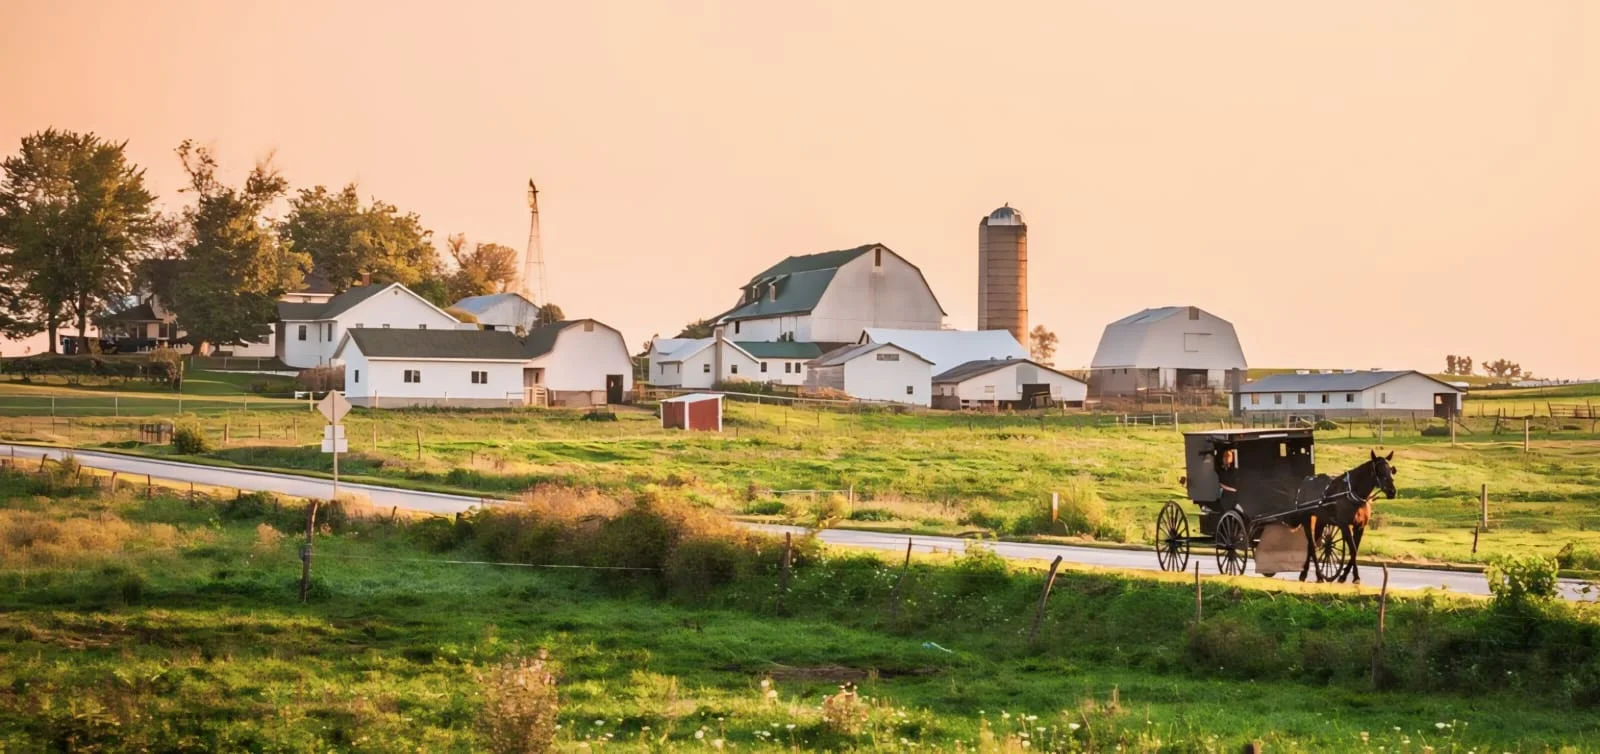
(1005, 216)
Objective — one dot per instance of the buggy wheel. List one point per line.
(1172, 538)
(1331, 550)
(1233, 544)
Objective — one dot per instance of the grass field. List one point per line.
(171, 625)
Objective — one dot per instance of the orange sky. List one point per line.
(1353, 184)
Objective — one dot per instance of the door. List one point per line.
(1444, 405)
(613, 388)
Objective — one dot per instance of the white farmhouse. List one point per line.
(309, 332)
(699, 363)
(576, 363)
(831, 297)
(874, 372)
(1011, 383)
(1352, 393)
(1171, 348)
(501, 311)
(948, 349)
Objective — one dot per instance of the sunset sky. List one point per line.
(1353, 184)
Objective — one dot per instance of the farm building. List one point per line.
(1351, 393)
(576, 363)
(308, 333)
(699, 363)
(696, 411)
(873, 372)
(948, 349)
(831, 297)
(1172, 348)
(1006, 383)
(501, 311)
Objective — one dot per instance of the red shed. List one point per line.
(694, 411)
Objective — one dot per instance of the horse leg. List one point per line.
(1355, 549)
(1311, 547)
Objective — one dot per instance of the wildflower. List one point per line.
(1363, 736)
(1073, 727)
(772, 693)
(644, 729)
(1441, 726)
(766, 683)
(599, 723)
(699, 734)
(1005, 715)
(790, 726)
(716, 743)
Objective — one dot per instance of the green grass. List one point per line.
(189, 637)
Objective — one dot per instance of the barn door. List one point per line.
(613, 388)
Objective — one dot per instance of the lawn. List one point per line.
(172, 625)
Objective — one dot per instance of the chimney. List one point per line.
(366, 278)
(716, 354)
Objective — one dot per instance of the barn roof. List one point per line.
(482, 304)
(542, 340)
(800, 282)
(391, 343)
(1154, 338)
(297, 311)
(981, 367)
(848, 353)
(782, 349)
(1337, 382)
(948, 349)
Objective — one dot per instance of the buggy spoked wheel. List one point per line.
(1331, 546)
(1172, 538)
(1233, 544)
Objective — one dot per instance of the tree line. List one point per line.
(1500, 369)
(81, 236)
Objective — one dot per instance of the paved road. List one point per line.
(434, 502)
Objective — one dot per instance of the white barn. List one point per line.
(1352, 393)
(831, 297)
(948, 349)
(1170, 348)
(874, 372)
(699, 363)
(308, 333)
(501, 311)
(575, 363)
(1019, 383)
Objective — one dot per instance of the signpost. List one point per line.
(333, 408)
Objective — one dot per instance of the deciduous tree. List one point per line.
(549, 314)
(1042, 345)
(480, 268)
(346, 240)
(700, 328)
(236, 265)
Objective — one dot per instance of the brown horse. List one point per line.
(1344, 509)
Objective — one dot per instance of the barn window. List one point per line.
(386, 325)
(1277, 399)
(1194, 312)
(788, 367)
(302, 332)
(736, 328)
(1302, 399)
(1349, 397)
(1255, 399)
(480, 378)
(330, 331)
(797, 368)
(705, 368)
(1383, 397)
(422, 327)
(888, 357)
(663, 368)
(877, 257)
(734, 369)
(357, 377)
(359, 325)
(412, 376)
(1324, 397)
(763, 367)
(909, 390)
(588, 327)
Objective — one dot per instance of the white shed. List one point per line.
(1170, 348)
(948, 349)
(874, 372)
(580, 362)
(501, 311)
(396, 368)
(1020, 383)
(1352, 393)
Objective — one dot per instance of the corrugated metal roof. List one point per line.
(948, 349)
(782, 349)
(848, 353)
(984, 366)
(390, 343)
(1151, 339)
(482, 304)
(1336, 382)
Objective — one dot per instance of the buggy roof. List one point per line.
(1246, 435)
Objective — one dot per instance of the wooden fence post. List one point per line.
(783, 574)
(1383, 610)
(894, 595)
(1475, 531)
(149, 489)
(1525, 423)
(1197, 609)
(419, 443)
(1044, 596)
(305, 551)
(1483, 506)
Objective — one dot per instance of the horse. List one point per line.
(1344, 501)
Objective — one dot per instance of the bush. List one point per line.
(320, 379)
(1518, 584)
(1578, 557)
(980, 571)
(1327, 425)
(188, 439)
(845, 713)
(520, 706)
(766, 508)
(872, 514)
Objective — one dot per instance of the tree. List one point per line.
(1042, 345)
(1461, 365)
(700, 328)
(346, 240)
(74, 219)
(481, 269)
(549, 314)
(235, 266)
(1450, 364)
(1503, 369)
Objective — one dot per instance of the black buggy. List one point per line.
(1254, 489)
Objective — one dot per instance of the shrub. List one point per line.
(1518, 584)
(1578, 557)
(872, 514)
(980, 570)
(520, 706)
(844, 713)
(1327, 425)
(320, 378)
(830, 508)
(698, 565)
(767, 508)
(188, 439)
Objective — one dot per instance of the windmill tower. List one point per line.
(533, 285)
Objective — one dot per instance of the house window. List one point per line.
(909, 390)
(663, 368)
(302, 332)
(1383, 397)
(797, 368)
(988, 388)
(1302, 399)
(788, 368)
(877, 261)
(422, 327)
(1349, 397)
(413, 376)
(357, 377)
(888, 357)
(359, 325)
(763, 367)
(705, 368)
(386, 325)
(1324, 398)
(330, 331)
(734, 369)
(1255, 399)
(480, 378)
(1277, 399)
(736, 328)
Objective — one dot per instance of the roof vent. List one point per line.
(1302, 371)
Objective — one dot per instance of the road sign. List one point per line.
(333, 436)
(334, 406)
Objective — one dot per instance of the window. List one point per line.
(705, 368)
(588, 327)
(1302, 399)
(1277, 399)
(988, 388)
(330, 331)
(386, 325)
(663, 368)
(1194, 342)
(787, 367)
(422, 326)
(1349, 397)
(910, 390)
(736, 327)
(1324, 397)
(357, 377)
(733, 369)
(1255, 399)
(1383, 397)
(480, 378)
(359, 325)
(877, 257)
(413, 376)
(302, 332)
(1194, 312)
(797, 368)
(888, 357)
(763, 367)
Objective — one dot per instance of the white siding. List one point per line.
(863, 294)
(1005, 384)
(396, 307)
(869, 377)
(1171, 343)
(442, 382)
(1412, 392)
(581, 359)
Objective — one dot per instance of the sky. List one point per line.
(1352, 184)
